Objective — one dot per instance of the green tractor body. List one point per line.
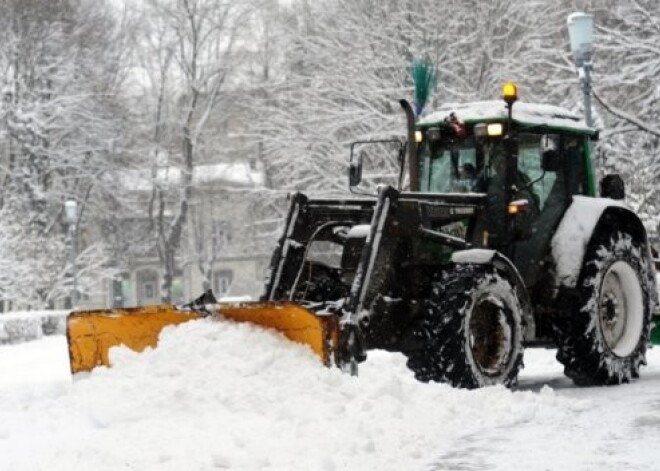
(498, 243)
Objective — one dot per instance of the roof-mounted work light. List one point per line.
(509, 92)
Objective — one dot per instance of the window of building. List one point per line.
(121, 290)
(147, 287)
(222, 280)
(178, 291)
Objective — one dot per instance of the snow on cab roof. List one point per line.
(527, 113)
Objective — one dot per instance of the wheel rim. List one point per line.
(490, 336)
(621, 309)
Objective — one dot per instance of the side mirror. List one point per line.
(355, 170)
(372, 163)
(612, 186)
(550, 161)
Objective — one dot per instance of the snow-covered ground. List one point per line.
(219, 395)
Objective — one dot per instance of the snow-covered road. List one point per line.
(218, 395)
(607, 428)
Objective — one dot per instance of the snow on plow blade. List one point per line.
(91, 334)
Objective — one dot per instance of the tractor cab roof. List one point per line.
(524, 114)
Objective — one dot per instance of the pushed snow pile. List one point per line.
(221, 395)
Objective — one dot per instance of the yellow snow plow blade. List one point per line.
(91, 334)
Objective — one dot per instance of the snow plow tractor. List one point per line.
(497, 243)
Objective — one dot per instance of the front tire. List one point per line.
(603, 339)
(471, 334)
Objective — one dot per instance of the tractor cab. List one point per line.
(461, 147)
(527, 159)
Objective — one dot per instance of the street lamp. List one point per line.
(580, 32)
(71, 213)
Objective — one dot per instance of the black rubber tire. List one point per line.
(465, 295)
(588, 355)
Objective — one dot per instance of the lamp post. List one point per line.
(71, 212)
(580, 32)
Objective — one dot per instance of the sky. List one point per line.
(221, 395)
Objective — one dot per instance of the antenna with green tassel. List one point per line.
(425, 80)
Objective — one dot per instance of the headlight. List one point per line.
(494, 129)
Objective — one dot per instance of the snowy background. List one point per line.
(221, 395)
(97, 91)
(93, 91)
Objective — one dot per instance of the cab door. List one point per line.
(549, 190)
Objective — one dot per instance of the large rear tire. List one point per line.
(603, 338)
(471, 334)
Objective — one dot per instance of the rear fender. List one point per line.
(586, 219)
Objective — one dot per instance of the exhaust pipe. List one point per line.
(413, 165)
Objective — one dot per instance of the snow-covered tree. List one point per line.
(60, 129)
(348, 63)
(190, 47)
(627, 91)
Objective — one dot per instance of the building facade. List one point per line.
(222, 245)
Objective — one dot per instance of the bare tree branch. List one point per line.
(626, 116)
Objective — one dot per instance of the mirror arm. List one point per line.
(533, 182)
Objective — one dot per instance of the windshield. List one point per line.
(456, 166)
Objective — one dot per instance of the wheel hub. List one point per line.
(613, 319)
(490, 337)
(620, 309)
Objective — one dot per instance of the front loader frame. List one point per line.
(403, 249)
(304, 217)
